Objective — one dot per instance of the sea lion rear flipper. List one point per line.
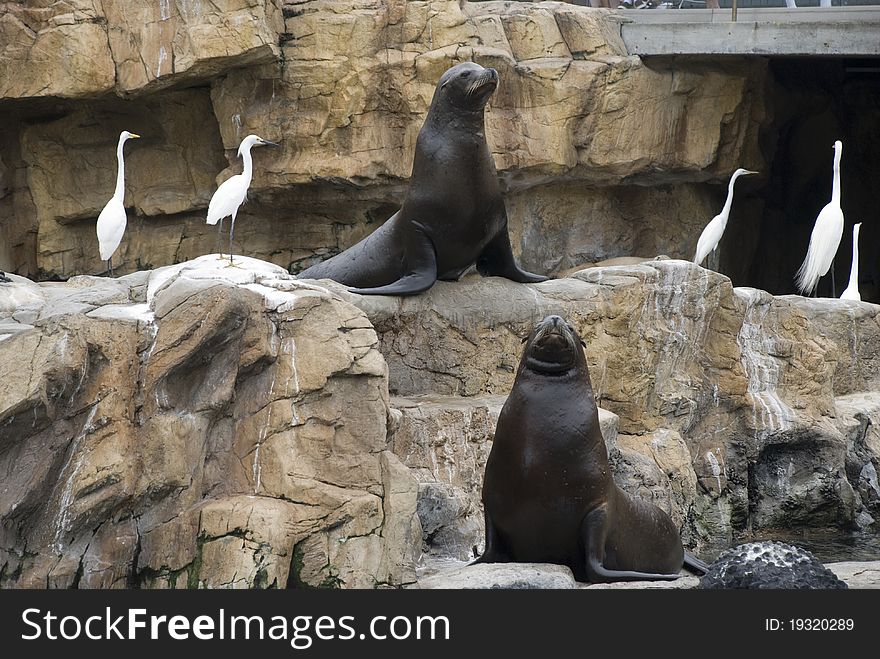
(497, 260)
(594, 532)
(694, 565)
(421, 262)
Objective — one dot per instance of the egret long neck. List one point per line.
(248, 166)
(835, 185)
(854, 269)
(725, 213)
(120, 173)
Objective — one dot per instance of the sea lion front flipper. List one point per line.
(594, 532)
(421, 263)
(497, 260)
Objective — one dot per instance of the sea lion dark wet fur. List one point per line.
(453, 215)
(548, 493)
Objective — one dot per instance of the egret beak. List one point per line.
(133, 135)
(268, 143)
(748, 171)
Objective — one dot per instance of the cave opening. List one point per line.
(811, 103)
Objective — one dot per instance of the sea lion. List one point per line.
(453, 214)
(548, 493)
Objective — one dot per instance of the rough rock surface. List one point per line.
(517, 576)
(453, 574)
(857, 574)
(741, 386)
(769, 565)
(345, 85)
(198, 425)
(859, 422)
(231, 426)
(82, 48)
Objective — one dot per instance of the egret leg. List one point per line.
(833, 285)
(714, 259)
(110, 265)
(231, 229)
(220, 237)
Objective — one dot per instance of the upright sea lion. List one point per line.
(548, 493)
(453, 214)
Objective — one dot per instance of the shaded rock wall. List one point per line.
(602, 155)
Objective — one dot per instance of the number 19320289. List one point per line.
(810, 624)
(821, 624)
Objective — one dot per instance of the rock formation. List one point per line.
(198, 425)
(769, 565)
(206, 425)
(736, 409)
(589, 141)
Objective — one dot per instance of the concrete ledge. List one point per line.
(839, 31)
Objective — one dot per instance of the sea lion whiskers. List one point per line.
(478, 82)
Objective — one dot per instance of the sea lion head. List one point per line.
(467, 86)
(554, 347)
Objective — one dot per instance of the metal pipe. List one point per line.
(733, 11)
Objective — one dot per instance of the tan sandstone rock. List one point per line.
(589, 142)
(745, 379)
(205, 426)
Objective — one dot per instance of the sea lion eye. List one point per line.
(465, 74)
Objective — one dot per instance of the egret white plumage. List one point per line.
(852, 290)
(711, 235)
(825, 238)
(112, 220)
(232, 192)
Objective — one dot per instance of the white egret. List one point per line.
(232, 192)
(111, 221)
(852, 290)
(825, 238)
(711, 235)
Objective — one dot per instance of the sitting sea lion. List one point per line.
(548, 493)
(453, 214)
